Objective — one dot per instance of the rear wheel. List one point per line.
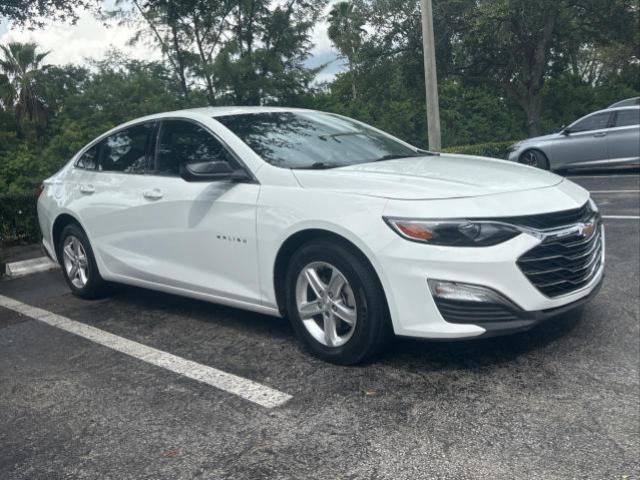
(534, 158)
(335, 303)
(79, 265)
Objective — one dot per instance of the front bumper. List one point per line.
(519, 320)
(407, 266)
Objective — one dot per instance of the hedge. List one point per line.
(492, 149)
(18, 219)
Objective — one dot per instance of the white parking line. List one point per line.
(622, 217)
(602, 176)
(242, 387)
(27, 267)
(614, 191)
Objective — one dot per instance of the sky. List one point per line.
(91, 38)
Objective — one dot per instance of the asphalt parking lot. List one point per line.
(560, 401)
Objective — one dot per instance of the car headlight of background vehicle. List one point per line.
(453, 233)
(514, 147)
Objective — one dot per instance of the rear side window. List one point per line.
(626, 118)
(182, 143)
(88, 159)
(126, 151)
(594, 122)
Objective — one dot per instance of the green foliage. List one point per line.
(86, 104)
(18, 218)
(489, 149)
(34, 12)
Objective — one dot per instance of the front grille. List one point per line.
(547, 221)
(558, 266)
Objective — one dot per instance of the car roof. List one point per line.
(610, 109)
(627, 102)
(238, 110)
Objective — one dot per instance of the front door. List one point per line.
(585, 144)
(199, 236)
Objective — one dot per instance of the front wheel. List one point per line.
(534, 158)
(335, 303)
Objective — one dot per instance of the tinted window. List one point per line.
(126, 150)
(625, 118)
(88, 159)
(594, 122)
(182, 143)
(312, 139)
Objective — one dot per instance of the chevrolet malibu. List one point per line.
(352, 234)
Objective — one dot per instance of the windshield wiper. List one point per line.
(395, 156)
(338, 134)
(317, 166)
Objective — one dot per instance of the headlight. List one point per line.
(453, 233)
(514, 147)
(593, 205)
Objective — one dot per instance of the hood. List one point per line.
(541, 138)
(429, 177)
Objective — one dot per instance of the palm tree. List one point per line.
(345, 31)
(20, 66)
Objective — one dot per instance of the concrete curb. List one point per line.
(27, 267)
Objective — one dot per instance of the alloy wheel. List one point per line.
(529, 158)
(326, 304)
(75, 261)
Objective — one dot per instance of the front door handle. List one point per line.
(154, 194)
(87, 188)
(600, 134)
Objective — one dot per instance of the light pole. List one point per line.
(430, 77)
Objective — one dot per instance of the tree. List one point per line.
(34, 12)
(244, 51)
(20, 66)
(517, 44)
(346, 31)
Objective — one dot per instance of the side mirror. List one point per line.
(211, 171)
(566, 131)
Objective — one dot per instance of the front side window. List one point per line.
(313, 139)
(126, 151)
(183, 143)
(627, 118)
(592, 122)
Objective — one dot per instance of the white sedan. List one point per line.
(351, 233)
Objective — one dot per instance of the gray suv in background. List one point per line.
(605, 138)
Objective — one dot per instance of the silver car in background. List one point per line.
(606, 138)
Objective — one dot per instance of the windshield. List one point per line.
(313, 139)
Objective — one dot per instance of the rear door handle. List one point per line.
(154, 194)
(600, 134)
(87, 188)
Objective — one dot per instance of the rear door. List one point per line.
(623, 138)
(111, 196)
(585, 144)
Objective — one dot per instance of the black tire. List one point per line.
(372, 328)
(95, 287)
(534, 158)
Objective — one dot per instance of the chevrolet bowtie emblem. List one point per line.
(587, 229)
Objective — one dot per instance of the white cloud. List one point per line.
(323, 50)
(88, 38)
